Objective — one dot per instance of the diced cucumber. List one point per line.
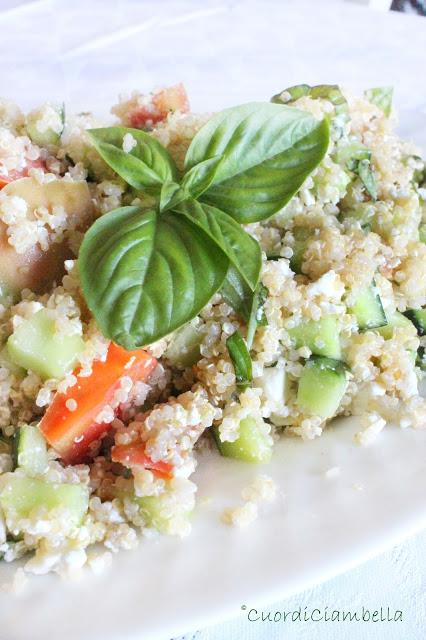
(301, 236)
(38, 127)
(184, 348)
(320, 336)
(156, 512)
(7, 363)
(30, 450)
(322, 386)
(422, 233)
(418, 318)
(253, 444)
(395, 320)
(36, 345)
(368, 309)
(351, 153)
(20, 495)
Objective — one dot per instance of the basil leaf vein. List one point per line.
(146, 166)
(242, 250)
(144, 274)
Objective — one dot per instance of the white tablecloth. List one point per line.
(226, 52)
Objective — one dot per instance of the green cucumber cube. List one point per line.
(322, 386)
(254, 444)
(30, 450)
(20, 495)
(320, 336)
(36, 346)
(395, 320)
(37, 129)
(167, 509)
(184, 348)
(368, 309)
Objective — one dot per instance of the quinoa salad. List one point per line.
(172, 282)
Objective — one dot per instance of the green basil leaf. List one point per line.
(366, 175)
(147, 166)
(267, 151)
(381, 97)
(242, 250)
(331, 92)
(200, 177)
(143, 275)
(257, 314)
(236, 292)
(246, 303)
(171, 195)
(241, 360)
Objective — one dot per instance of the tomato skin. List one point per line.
(134, 456)
(71, 432)
(14, 174)
(164, 102)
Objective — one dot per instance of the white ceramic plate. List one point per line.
(226, 53)
(318, 527)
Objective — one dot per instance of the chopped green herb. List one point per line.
(241, 360)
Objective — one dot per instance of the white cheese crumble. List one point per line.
(129, 143)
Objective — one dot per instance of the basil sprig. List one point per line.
(145, 273)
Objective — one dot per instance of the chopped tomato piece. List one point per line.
(14, 174)
(133, 456)
(69, 424)
(164, 102)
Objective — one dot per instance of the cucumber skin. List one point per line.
(366, 305)
(321, 387)
(250, 446)
(48, 137)
(418, 318)
(184, 348)
(301, 237)
(421, 358)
